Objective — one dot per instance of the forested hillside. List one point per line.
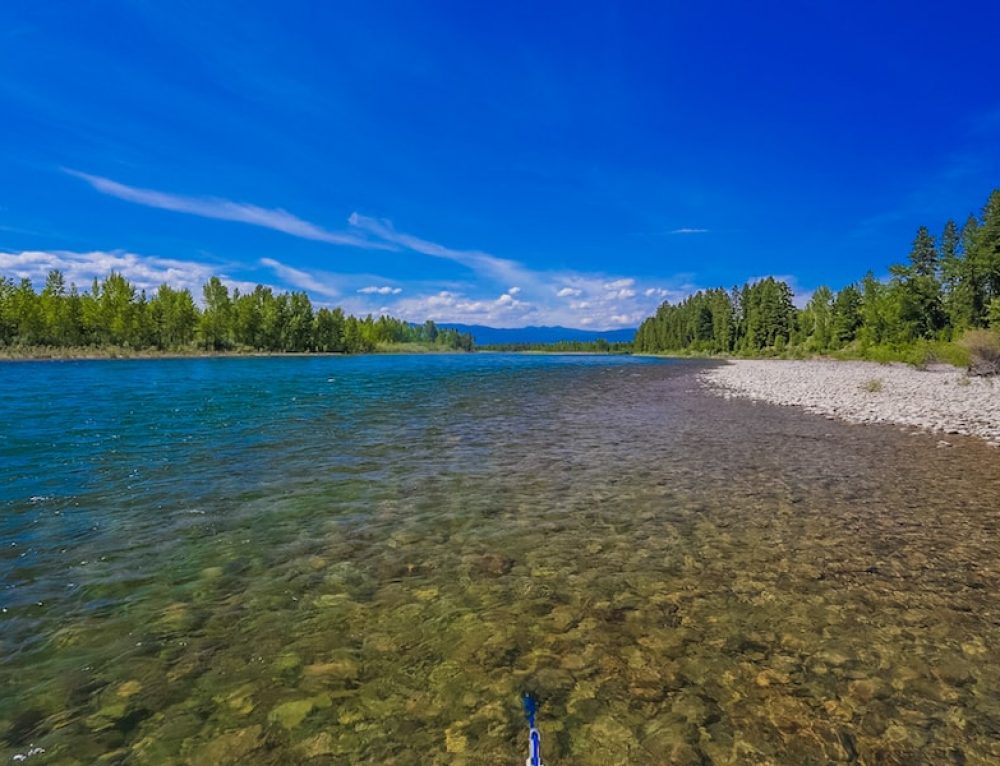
(950, 285)
(113, 314)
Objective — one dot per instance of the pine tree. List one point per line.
(816, 319)
(923, 255)
(918, 291)
(847, 316)
(988, 246)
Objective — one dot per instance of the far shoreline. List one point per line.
(146, 355)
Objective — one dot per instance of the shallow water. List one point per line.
(367, 559)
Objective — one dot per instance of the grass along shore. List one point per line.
(918, 354)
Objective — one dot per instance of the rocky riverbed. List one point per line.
(944, 400)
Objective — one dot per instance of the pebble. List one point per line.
(931, 400)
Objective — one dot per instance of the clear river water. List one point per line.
(366, 560)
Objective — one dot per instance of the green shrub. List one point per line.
(983, 347)
(872, 386)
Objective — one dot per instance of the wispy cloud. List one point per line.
(688, 230)
(526, 295)
(301, 279)
(227, 210)
(482, 263)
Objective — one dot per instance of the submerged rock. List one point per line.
(605, 741)
(315, 747)
(129, 688)
(343, 669)
(291, 714)
(493, 565)
(454, 740)
(770, 677)
(230, 748)
(239, 700)
(107, 716)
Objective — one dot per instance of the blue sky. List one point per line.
(506, 164)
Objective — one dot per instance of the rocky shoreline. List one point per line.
(942, 399)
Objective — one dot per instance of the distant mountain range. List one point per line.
(488, 336)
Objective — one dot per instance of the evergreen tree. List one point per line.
(917, 292)
(988, 247)
(847, 317)
(971, 288)
(817, 319)
(874, 311)
(923, 255)
(955, 277)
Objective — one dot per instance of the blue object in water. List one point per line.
(534, 738)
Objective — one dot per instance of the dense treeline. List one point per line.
(599, 346)
(114, 314)
(950, 285)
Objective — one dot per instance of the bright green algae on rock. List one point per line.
(344, 561)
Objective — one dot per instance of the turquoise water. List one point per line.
(366, 560)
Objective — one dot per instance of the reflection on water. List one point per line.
(366, 560)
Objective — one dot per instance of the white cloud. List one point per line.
(380, 290)
(589, 304)
(227, 210)
(509, 303)
(619, 284)
(623, 293)
(687, 230)
(601, 300)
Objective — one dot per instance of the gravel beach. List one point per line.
(944, 400)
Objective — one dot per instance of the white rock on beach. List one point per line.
(944, 400)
